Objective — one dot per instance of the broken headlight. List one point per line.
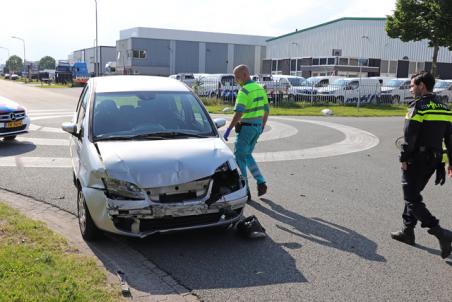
(119, 189)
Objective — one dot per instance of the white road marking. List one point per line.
(35, 162)
(356, 140)
(43, 141)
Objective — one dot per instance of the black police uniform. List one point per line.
(428, 122)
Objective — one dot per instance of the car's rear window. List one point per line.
(143, 112)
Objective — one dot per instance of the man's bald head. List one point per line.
(242, 74)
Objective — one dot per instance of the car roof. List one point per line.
(121, 83)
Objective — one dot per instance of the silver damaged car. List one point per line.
(148, 158)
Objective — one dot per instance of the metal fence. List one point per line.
(279, 94)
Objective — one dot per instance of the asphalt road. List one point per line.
(328, 219)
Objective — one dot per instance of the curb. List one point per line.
(145, 280)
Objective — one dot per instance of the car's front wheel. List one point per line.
(87, 227)
(9, 138)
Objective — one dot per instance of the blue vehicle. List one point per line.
(76, 74)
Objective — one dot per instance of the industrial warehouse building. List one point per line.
(348, 47)
(165, 51)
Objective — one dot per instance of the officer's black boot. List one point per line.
(406, 235)
(445, 240)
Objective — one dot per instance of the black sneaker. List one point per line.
(250, 227)
(261, 189)
(406, 235)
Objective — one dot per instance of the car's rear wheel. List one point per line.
(87, 227)
(10, 138)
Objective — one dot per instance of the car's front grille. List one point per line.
(8, 130)
(168, 223)
(12, 116)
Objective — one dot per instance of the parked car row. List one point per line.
(335, 89)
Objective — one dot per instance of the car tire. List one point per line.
(9, 138)
(88, 229)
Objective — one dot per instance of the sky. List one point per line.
(56, 28)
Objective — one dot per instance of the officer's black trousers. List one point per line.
(414, 180)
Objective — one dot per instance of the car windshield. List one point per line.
(295, 81)
(149, 115)
(442, 84)
(394, 83)
(340, 82)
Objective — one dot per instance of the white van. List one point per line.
(187, 78)
(443, 88)
(221, 85)
(396, 91)
(292, 84)
(310, 86)
(349, 90)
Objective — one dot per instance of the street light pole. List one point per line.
(96, 55)
(361, 67)
(25, 60)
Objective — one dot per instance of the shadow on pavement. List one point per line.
(321, 231)
(209, 259)
(12, 148)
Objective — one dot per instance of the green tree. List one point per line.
(47, 62)
(14, 64)
(416, 20)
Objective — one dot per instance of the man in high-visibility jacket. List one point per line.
(428, 124)
(251, 114)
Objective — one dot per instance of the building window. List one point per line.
(139, 54)
(322, 61)
(331, 61)
(353, 62)
(274, 65)
(315, 61)
(343, 61)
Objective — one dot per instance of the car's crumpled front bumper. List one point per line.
(140, 218)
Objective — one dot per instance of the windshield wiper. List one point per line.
(171, 134)
(127, 137)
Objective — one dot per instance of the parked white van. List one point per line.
(443, 88)
(187, 78)
(292, 84)
(396, 91)
(310, 86)
(349, 90)
(216, 85)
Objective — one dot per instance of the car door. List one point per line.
(76, 140)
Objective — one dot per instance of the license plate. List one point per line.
(13, 124)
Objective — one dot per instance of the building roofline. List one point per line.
(326, 23)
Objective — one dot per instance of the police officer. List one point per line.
(251, 114)
(428, 122)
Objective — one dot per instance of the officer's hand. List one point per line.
(449, 171)
(440, 174)
(226, 134)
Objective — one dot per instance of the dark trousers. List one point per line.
(414, 180)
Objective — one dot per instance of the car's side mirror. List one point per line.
(70, 128)
(219, 122)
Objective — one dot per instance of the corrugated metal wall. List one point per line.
(244, 54)
(216, 57)
(347, 36)
(187, 56)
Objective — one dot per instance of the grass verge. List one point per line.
(39, 265)
(315, 110)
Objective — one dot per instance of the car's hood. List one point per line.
(155, 163)
(7, 105)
